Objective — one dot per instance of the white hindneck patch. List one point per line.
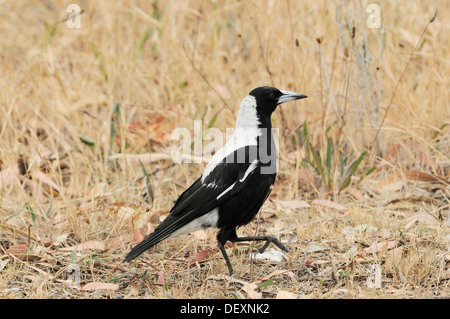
(246, 133)
(247, 116)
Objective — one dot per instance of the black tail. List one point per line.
(163, 231)
(147, 243)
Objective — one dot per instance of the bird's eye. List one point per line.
(272, 95)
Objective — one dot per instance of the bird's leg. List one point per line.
(225, 256)
(222, 237)
(267, 239)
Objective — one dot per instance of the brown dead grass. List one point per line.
(173, 62)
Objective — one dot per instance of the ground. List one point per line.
(99, 101)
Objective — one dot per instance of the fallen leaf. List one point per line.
(39, 290)
(92, 245)
(390, 187)
(134, 159)
(313, 247)
(306, 177)
(327, 221)
(428, 160)
(329, 204)
(3, 264)
(249, 288)
(396, 253)
(320, 262)
(22, 252)
(8, 175)
(421, 218)
(374, 276)
(383, 250)
(137, 236)
(39, 158)
(352, 252)
(282, 294)
(99, 286)
(365, 228)
(205, 254)
(222, 90)
(201, 256)
(290, 274)
(150, 229)
(117, 242)
(382, 246)
(392, 153)
(134, 214)
(35, 187)
(339, 293)
(61, 238)
(97, 190)
(200, 234)
(134, 289)
(159, 215)
(278, 206)
(396, 180)
(17, 249)
(413, 175)
(43, 178)
(160, 278)
(294, 204)
(308, 263)
(409, 37)
(269, 255)
(356, 193)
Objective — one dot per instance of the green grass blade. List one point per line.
(317, 160)
(89, 141)
(49, 207)
(15, 213)
(351, 170)
(147, 183)
(328, 160)
(31, 212)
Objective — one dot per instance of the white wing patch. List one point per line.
(226, 191)
(250, 169)
(212, 185)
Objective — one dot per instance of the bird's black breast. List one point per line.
(243, 206)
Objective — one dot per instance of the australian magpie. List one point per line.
(235, 183)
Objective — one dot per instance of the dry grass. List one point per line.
(74, 102)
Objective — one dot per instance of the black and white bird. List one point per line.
(234, 184)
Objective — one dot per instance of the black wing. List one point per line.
(225, 180)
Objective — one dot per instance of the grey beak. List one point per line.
(290, 96)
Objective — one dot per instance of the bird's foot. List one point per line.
(278, 243)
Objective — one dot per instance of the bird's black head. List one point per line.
(268, 98)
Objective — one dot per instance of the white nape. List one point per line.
(246, 134)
